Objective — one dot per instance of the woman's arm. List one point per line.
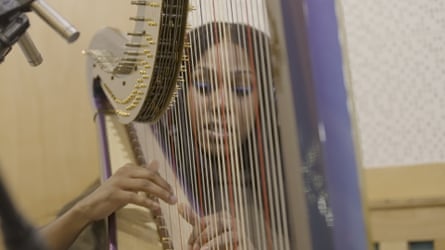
(61, 233)
(130, 184)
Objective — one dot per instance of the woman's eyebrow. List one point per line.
(210, 74)
(242, 71)
(203, 71)
(239, 72)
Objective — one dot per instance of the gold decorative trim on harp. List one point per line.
(139, 72)
(218, 144)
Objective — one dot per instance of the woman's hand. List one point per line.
(216, 231)
(130, 184)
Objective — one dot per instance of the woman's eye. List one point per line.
(203, 87)
(242, 90)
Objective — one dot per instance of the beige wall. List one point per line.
(406, 204)
(48, 144)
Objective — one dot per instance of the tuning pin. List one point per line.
(154, 4)
(191, 7)
(141, 85)
(148, 53)
(152, 23)
(187, 45)
(131, 107)
(122, 113)
(145, 64)
(172, 102)
(150, 40)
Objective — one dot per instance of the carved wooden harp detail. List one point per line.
(236, 106)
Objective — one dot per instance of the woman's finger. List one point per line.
(191, 217)
(225, 240)
(188, 214)
(147, 172)
(139, 179)
(211, 227)
(140, 199)
(150, 189)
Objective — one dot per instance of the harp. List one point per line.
(235, 100)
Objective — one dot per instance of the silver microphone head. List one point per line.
(29, 49)
(57, 22)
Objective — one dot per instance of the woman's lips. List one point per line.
(218, 131)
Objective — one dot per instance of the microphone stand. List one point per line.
(18, 233)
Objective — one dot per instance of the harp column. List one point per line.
(335, 208)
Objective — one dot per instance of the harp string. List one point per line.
(236, 165)
(228, 125)
(257, 144)
(245, 231)
(261, 118)
(196, 181)
(247, 158)
(216, 118)
(171, 156)
(225, 177)
(223, 108)
(242, 188)
(205, 203)
(253, 150)
(242, 220)
(258, 147)
(240, 173)
(271, 111)
(177, 119)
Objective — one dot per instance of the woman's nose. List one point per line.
(220, 99)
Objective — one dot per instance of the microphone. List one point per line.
(13, 25)
(18, 234)
(29, 50)
(56, 21)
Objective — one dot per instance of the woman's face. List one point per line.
(222, 98)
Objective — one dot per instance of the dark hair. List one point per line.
(245, 36)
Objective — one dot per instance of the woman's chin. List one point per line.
(221, 145)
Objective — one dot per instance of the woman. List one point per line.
(217, 133)
(213, 138)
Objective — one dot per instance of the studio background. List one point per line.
(395, 51)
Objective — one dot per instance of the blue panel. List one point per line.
(339, 152)
(321, 106)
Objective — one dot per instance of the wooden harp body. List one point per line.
(246, 109)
